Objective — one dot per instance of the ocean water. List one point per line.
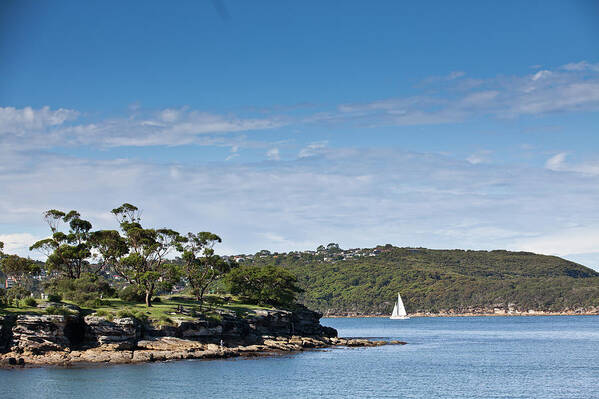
(468, 357)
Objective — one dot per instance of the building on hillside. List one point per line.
(10, 282)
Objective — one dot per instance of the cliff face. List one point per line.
(37, 334)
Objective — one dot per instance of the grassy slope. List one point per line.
(434, 280)
(167, 308)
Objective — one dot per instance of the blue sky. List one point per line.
(283, 125)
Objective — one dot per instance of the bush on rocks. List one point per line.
(29, 301)
(54, 297)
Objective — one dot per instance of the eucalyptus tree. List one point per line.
(68, 253)
(139, 254)
(264, 285)
(201, 266)
(17, 267)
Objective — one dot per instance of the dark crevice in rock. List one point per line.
(74, 331)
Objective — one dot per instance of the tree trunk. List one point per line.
(148, 298)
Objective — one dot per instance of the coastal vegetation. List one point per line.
(136, 266)
(120, 271)
(366, 280)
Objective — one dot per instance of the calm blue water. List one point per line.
(493, 357)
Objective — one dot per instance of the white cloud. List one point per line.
(273, 154)
(313, 149)
(17, 121)
(564, 242)
(570, 88)
(354, 197)
(558, 163)
(581, 66)
(541, 74)
(573, 87)
(18, 243)
(27, 128)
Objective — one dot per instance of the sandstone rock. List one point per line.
(124, 331)
(199, 329)
(40, 333)
(169, 343)
(270, 322)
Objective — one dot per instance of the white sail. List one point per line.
(399, 310)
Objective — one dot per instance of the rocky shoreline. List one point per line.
(34, 340)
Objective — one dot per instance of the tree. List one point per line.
(139, 256)
(18, 268)
(201, 266)
(332, 247)
(268, 285)
(67, 253)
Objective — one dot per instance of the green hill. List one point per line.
(366, 281)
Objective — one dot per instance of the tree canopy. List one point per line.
(68, 253)
(139, 255)
(268, 285)
(200, 264)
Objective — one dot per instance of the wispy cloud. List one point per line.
(19, 121)
(570, 88)
(558, 163)
(481, 156)
(43, 128)
(444, 78)
(313, 149)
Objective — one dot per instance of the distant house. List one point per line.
(10, 282)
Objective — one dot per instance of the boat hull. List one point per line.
(399, 317)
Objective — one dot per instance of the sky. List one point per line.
(283, 125)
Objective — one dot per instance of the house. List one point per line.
(10, 282)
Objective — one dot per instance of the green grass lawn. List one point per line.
(170, 307)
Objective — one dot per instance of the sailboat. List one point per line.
(399, 311)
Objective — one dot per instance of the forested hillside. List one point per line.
(366, 281)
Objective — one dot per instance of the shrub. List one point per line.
(29, 301)
(165, 320)
(16, 293)
(102, 313)
(54, 297)
(122, 313)
(132, 294)
(105, 313)
(93, 303)
(88, 287)
(141, 316)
